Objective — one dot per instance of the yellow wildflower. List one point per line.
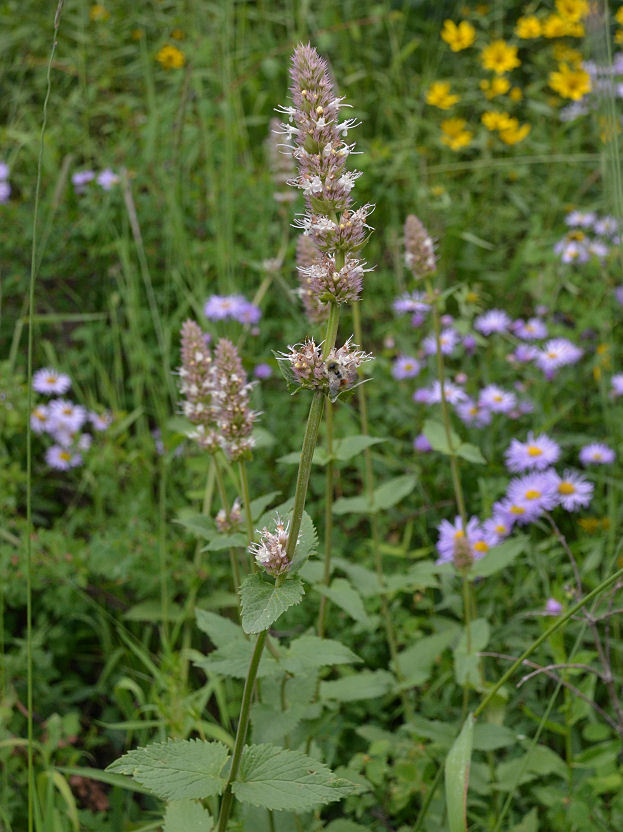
(566, 54)
(572, 10)
(494, 120)
(481, 8)
(454, 133)
(528, 27)
(177, 34)
(438, 95)
(171, 57)
(98, 12)
(437, 190)
(499, 57)
(458, 37)
(498, 86)
(570, 83)
(515, 133)
(618, 35)
(137, 34)
(515, 94)
(619, 15)
(555, 26)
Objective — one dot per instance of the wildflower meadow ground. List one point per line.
(311, 390)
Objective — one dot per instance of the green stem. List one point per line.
(241, 733)
(378, 558)
(233, 557)
(244, 482)
(328, 519)
(162, 551)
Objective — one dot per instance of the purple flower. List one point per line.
(405, 367)
(5, 191)
(410, 302)
(496, 399)
(50, 381)
(556, 353)
(62, 459)
(471, 413)
(4, 171)
(574, 491)
(597, 453)
(606, 226)
(598, 249)
(107, 178)
(448, 339)
(524, 353)
(451, 542)
(249, 314)
(618, 294)
(66, 416)
(263, 371)
(100, 422)
(497, 527)
(220, 307)
(469, 343)
(552, 607)
(81, 178)
(531, 329)
(535, 493)
(536, 452)
(495, 320)
(40, 418)
(617, 385)
(572, 250)
(421, 444)
(580, 219)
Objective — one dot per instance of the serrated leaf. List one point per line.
(226, 541)
(186, 816)
(498, 557)
(342, 594)
(270, 725)
(259, 505)
(262, 602)
(308, 652)
(176, 769)
(221, 630)
(277, 778)
(233, 660)
(457, 777)
(369, 684)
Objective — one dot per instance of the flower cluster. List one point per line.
(316, 140)
(333, 375)
(589, 235)
(216, 394)
(419, 249)
(229, 522)
(271, 550)
(307, 256)
(63, 421)
(170, 57)
(5, 185)
(237, 307)
(106, 179)
(280, 163)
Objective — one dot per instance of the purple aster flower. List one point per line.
(249, 314)
(606, 226)
(410, 302)
(531, 329)
(421, 444)
(598, 249)
(536, 452)
(5, 191)
(67, 416)
(220, 307)
(535, 493)
(596, 453)
(580, 219)
(524, 353)
(405, 367)
(556, 353)
(81, 178)
(618, 294)
(452, 392)
(497, 527)
(541, 310)
(573, 250)
(50, 381)
(417, 319)
(4, 170)
(469, 343)
(448, 339)
(471, 413)
(100, 422)
(617, 385)
(497, 400)
(574, 491)
(423, 395)
(62, 459)
(459, 546)
(40, 419)
(495, 320)
(263, 371)
(107, 178)
(510, 512)
(552, 607)
(84, 441)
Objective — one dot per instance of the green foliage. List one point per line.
(186, 816)
(262, 601)
(457, 776)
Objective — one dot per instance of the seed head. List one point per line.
(419, 249)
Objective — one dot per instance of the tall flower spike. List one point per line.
(197, 385)
(419, 249)
(333, 375)
(234, 418)
(281, 164)
(307, 255)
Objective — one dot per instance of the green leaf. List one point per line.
(351, 505)
(435, 432)
(419, 576)
(364, 580)
(152, 611)
(369, 684)
(277, 778)
(489, 737)
(177, 768)
(393, 491)
(186, 816)
(416, 662)
(270, 725)
(309, 652)
(263, 602)
(233, 660)
(351, 446)
(457, 777)
(221, 630)
(199, 524)
(342, 594)
(471, 453)
(498, 557)
(260, 505)
(466, 663)
(226, 541)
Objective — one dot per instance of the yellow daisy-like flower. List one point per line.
(528, 27)
(555, 26)
(494, 120)
(500, 57)
(438, 95)
(515, 133)
(567, 55)
(98, 12)
(515, 94)
(177, 34)
(573, 10)
(454, 133)
(458, 37)
(570, 83)
(619, 15)
(171, 57)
